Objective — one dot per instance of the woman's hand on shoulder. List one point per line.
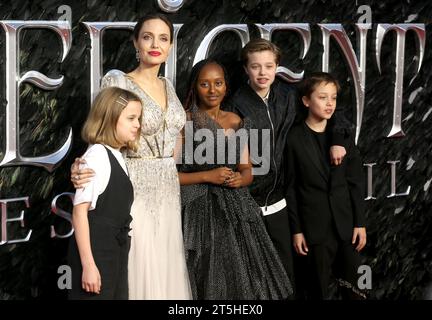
(80, 177)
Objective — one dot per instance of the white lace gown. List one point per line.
(157, 267)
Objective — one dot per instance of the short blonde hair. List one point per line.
(101, 123)
(258, 45)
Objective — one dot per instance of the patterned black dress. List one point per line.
(228, 251)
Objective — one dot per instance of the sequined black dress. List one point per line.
(228, 251)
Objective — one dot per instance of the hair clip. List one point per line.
(122, 101)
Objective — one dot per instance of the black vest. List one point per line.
(114, 204)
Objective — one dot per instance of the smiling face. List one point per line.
(261, 70)
(128, 123)
(153, 42)
(322, 101)
(210, 86)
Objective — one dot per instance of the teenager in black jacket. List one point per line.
(271, 104)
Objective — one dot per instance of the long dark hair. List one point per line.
(152, 16)
(192, 96)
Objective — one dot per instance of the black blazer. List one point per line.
(318, 194)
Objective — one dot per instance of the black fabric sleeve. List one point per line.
(301, 111)
(291, 192)
(356, 185)
(340, 128)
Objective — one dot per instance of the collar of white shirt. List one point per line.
(266, 97)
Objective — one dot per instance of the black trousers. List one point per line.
(278, 228)
(333, 257)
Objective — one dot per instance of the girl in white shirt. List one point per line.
(98, 252)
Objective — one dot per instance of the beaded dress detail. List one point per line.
(157, 267)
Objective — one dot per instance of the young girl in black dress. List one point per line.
(98, 252)
(228, 251)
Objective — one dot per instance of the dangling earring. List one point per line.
(137, 55)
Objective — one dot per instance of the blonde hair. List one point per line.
(258, 45)
(101, 123)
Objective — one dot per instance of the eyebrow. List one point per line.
(265, 63)
(205, 79)
(149, 32)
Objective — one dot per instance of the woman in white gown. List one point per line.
(157, 267)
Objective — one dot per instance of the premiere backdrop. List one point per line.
(399, 214)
